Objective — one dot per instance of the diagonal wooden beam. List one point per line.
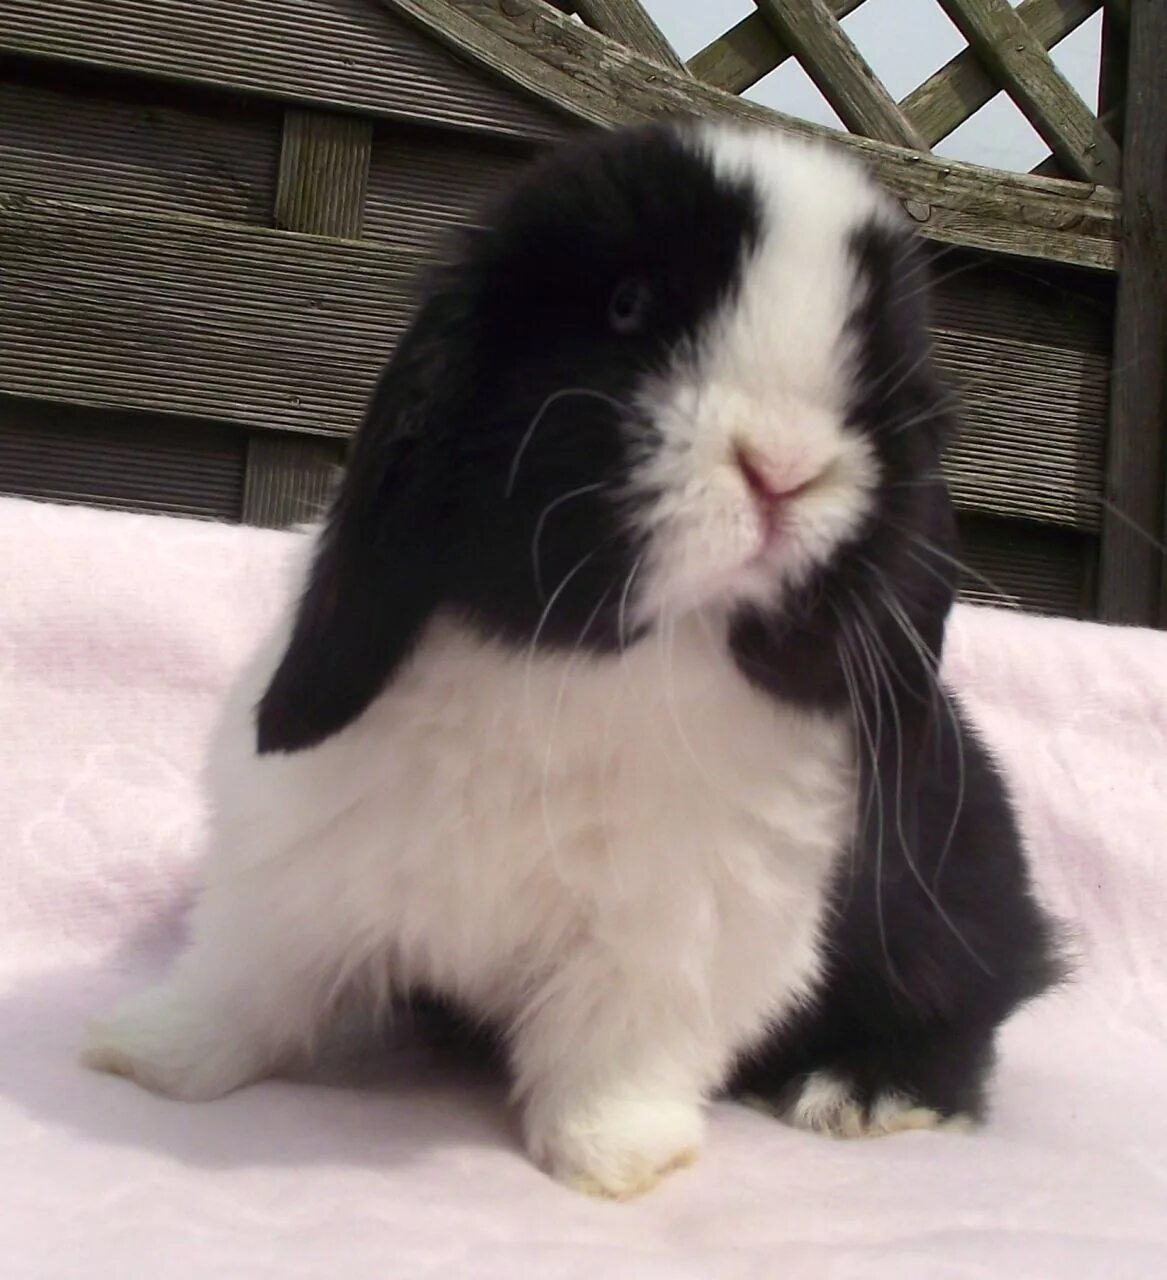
(748, 51)
(627, 21)
(1111, 79)
(1023, 68)
(962, 86)
(1112, 122)
(840, 71)
(588, 78)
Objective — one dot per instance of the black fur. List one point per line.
(935, 936)
(594, 273)
(444, 489)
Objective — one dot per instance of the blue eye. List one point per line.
(629, 305)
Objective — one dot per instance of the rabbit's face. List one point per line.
(676, 334)
(759, 472)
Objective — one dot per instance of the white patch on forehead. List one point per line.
(787, 331)
(771, 374)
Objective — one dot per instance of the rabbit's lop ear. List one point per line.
(375, 578)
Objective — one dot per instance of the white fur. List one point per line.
(828, 1104)
(622, 859)
(772, 372)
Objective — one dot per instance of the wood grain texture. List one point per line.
(289, 479)
(627, 21)
(839, 71)
(422, 188)
(107, 458)
(1112, 67)
(211, 159)
(1027, 352)
(323, 174)
(1018, 565)
(749, 50)
(340, 53)
(1032, 433)
(963, 85)
(603, 83)
(1018, 61)
(1133, 567)
(323, 177)
(265, 328)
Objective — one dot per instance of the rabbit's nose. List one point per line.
(766, 484)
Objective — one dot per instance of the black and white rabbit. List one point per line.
(609, 712)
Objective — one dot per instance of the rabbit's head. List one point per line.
(680, 367)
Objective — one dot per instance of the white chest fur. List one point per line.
(496, 814)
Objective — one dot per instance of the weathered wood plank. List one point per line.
(1017, 60)
(205, 158)
(749, 50)
(1027, 351)
(323, 174)
(627, 21)
(1040, 570)
(603, 83)
(350, 54)
(187, 316)
(421, 188)
(962, 86)
(289, 479)
(323, 177)
(1032, 428)
(839, 71)
(1112, 122)
(119, 460)
(1112, 68)
(1133, 586)
(735, 61)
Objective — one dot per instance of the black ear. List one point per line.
(376, 576)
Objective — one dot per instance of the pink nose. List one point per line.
(767, 491)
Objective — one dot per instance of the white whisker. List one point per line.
(874, 741)
(869, 641)
(547, 510)
(929, 662)
(562, 394)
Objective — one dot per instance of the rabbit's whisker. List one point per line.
(878, 660)
(542, 520)
(563, 393)
(849, 667)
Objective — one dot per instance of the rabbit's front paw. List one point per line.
(616, 1147)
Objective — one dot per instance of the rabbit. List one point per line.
(607, 709)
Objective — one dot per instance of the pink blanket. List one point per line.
(117, 635)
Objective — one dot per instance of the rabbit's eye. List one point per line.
(628, 309)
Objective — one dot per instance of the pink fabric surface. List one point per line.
(117, 635)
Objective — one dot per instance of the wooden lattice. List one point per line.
(1008, 50)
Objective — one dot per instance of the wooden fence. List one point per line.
(212, 213)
